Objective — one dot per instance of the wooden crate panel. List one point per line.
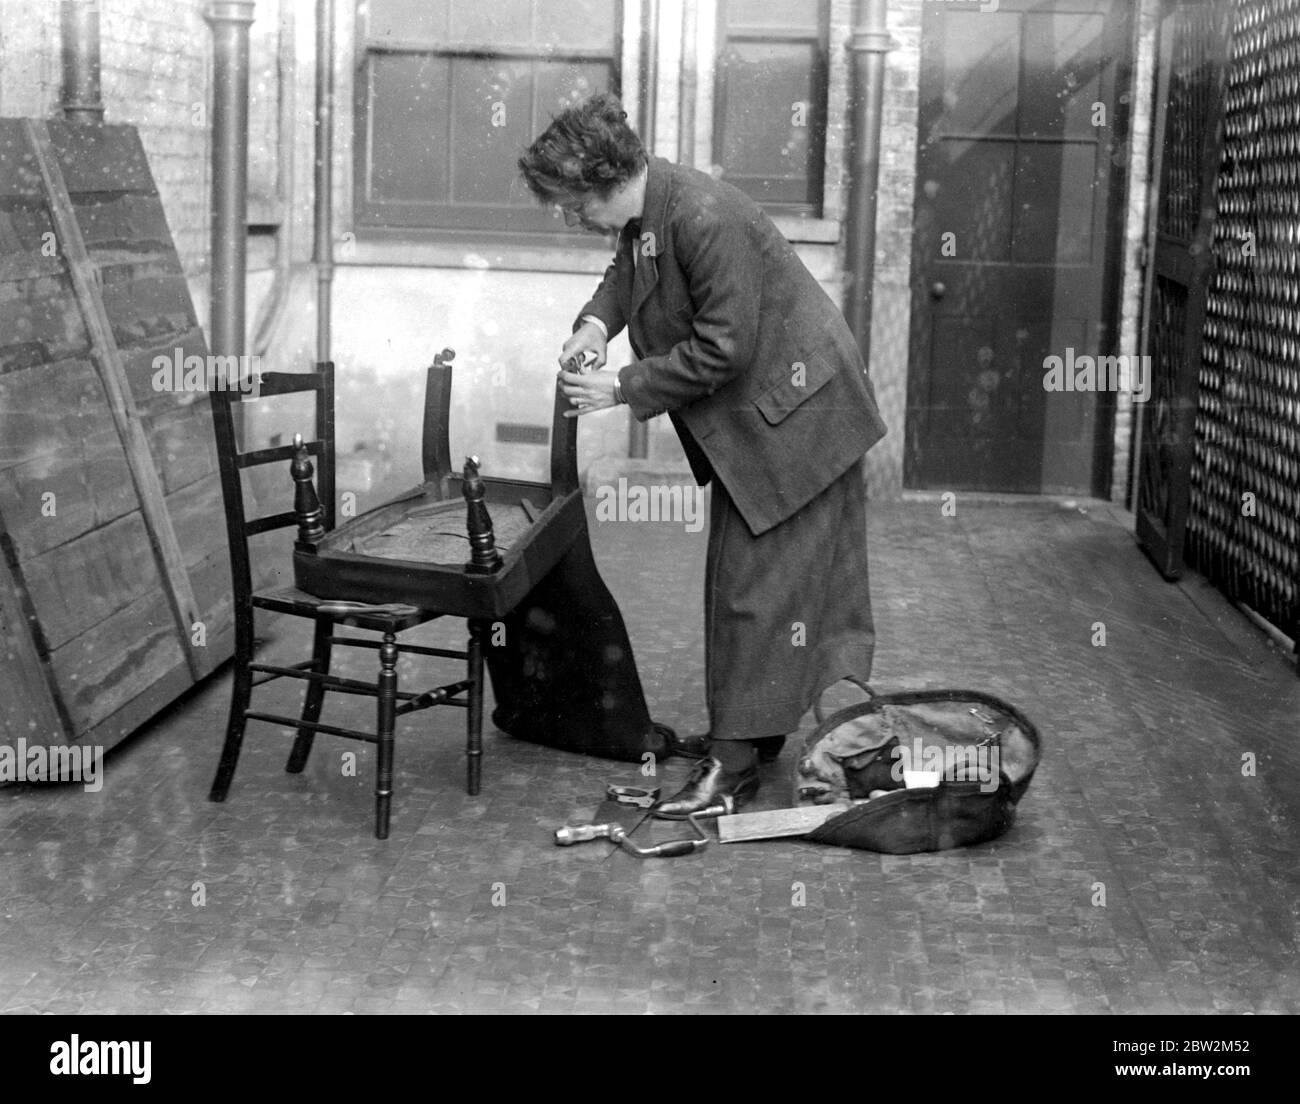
(77, 585)
(119, 659)
(28, 708)
(127, 221)
(91, 484)
(197, 517)
(147, 308)
(44, 407)
(138, 362)
(101, 158)
(184, 451)
(24, 224)
(40, 326)
(19, 175)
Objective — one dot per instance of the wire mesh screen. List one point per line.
(1244, 522)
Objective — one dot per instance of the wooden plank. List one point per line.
(48, 407)
(39, 326)
(143, 474)
(776, 823)
(90, 484)
(120, 658)
(184, 452)
(79, 584)
(106, 158)
(27, 691)
(138, 363)
(19, 175)
(132, 221)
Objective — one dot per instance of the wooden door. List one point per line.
(1015, 255)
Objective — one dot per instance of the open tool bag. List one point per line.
(920, 770)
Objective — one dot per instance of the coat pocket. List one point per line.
(795, 388)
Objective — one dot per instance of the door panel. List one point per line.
(1014, 235)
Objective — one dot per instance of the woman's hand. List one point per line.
(589, 338)
(588, 391)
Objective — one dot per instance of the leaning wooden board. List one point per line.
(115, 568)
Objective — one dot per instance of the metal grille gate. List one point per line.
(1243, 527)
(1219, 484)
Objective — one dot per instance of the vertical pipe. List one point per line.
(638, 433)
(81, 95)
(323, 246)
(229, 20)
(688, 85)
(868, 46)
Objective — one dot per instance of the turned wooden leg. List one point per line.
(474, 718)
(387, 716)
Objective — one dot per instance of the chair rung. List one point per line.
(271, 521)
(441, 695)
(281, 672)
(332, 682)
(414, 649)
(279, 452)
(314, 726)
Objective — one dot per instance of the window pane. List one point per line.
(1063, 66)
(425, 19)
(796, 15)
(768, 123)
(981, 73)
(498, 22)
(561, 85)
(581, 24)
(489, 121)
(409, 107)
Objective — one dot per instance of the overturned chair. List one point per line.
(511, 557)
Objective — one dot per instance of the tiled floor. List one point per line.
(469, 906)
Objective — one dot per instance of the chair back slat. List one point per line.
(435, 452)
(231, 463)
(270, 522)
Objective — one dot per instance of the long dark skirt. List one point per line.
(786, 614)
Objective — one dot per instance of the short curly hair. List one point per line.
(588, 149)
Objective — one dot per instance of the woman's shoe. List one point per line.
(708, 783)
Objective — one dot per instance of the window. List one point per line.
(450, 92)
(770, 101)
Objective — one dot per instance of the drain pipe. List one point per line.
(323, 247)
(273, 307)
(81, 95)
(867, 47)
(229, 20)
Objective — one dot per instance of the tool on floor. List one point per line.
(632, 803)
(777, 823)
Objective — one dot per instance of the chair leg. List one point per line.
(241, 693)
(387, 716)
(311, 706)
(474, 718)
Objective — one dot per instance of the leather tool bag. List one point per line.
(922, 770)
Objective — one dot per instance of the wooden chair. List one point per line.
(372, 599)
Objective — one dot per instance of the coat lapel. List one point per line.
(652, 223)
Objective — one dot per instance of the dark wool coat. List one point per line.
(740, 345)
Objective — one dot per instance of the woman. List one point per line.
(753, 362)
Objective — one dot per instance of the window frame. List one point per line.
(422, 221)
(819, 108)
